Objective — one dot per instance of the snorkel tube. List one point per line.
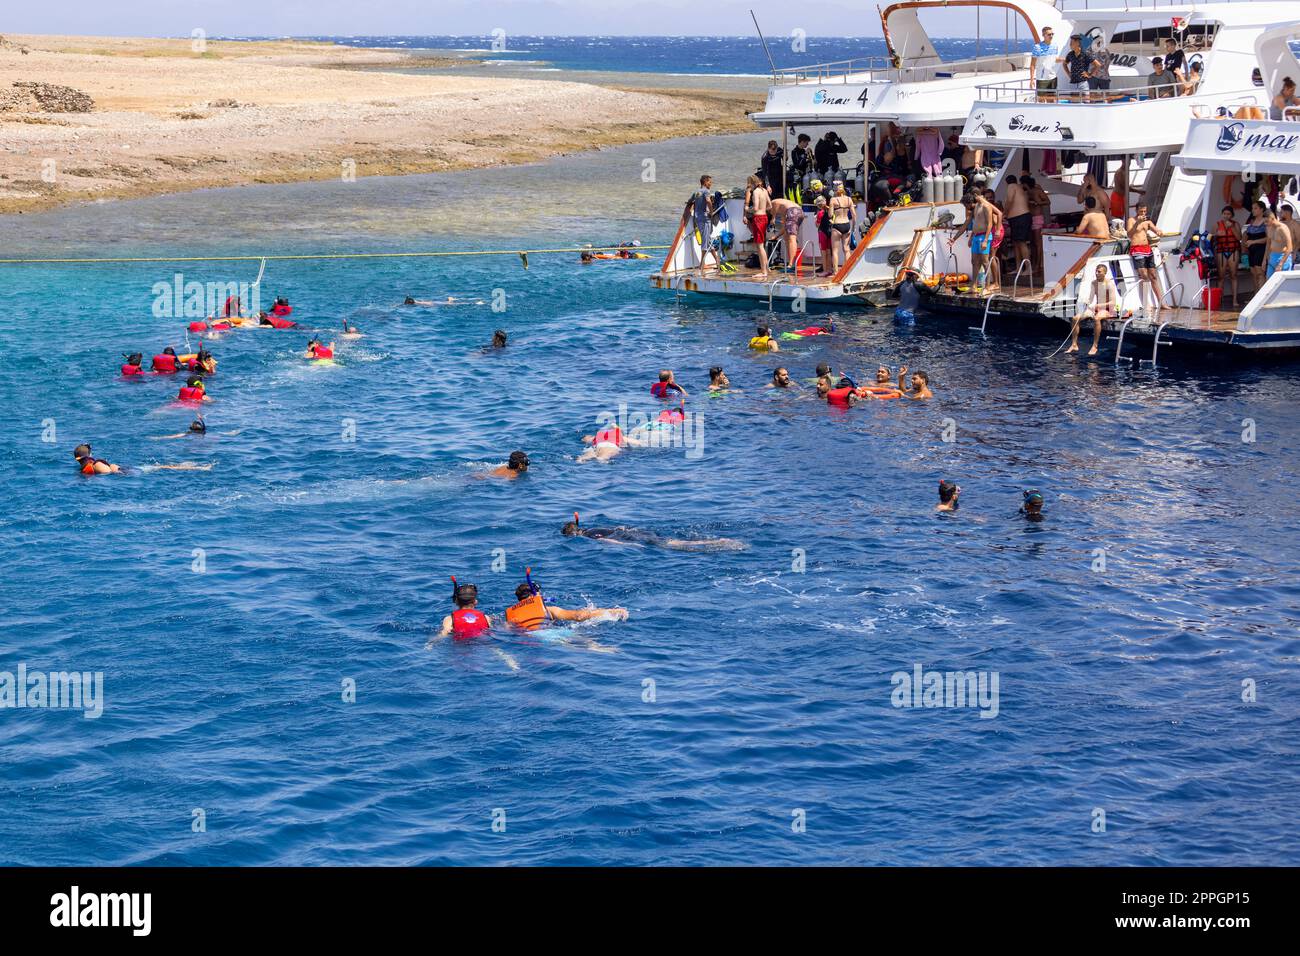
(536, 591)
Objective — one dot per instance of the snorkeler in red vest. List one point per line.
(466, 621)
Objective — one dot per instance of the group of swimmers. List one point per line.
(1031, 501)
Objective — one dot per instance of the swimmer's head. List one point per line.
(665, 376)
(922, 376)
(764, 331)
(465, 595)
(823, 369)
(781, 376)
(499, 338)
(882, 374)
(716, 374)
(518, 461)
(1033, 501)
(195, 381)
(81, 451)
(946, 490)
(570, 529)
(135, 358)
(410, 300)
(523, 592)
(198, 427)
(585, 257)
(169, 351)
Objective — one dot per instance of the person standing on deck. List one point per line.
(982, 222)
(1099, 71)
(1103, 303)
(1020, 220)
(1090, 187)
(1046, 59)
(1077, 66)
(801, 158)
(1292, 224)
(1161, 83)
(771, 168)
(1227, 244)
(758, 210)
(826, 158)
(929, 150)
(790, 215)
(1279, 245)
(1255, 241)
(702, 214)
(1141, 232)
(1040, 204)
(843, 219)
(1175, 61)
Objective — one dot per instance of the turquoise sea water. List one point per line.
(327, 560)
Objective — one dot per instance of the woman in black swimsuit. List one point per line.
(1256, 241)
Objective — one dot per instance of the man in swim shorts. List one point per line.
(622, 534)
(1102, 303)
(758, 207)
(1279, 245)
(1020, 219)
(1292, 223)
(1141, 232)
(982, 224)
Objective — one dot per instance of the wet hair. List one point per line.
(946, 490)
(714, 372)
(135, 358)
(195, 381)
(169, 351)
(499, 337)
(764, 330)
(570, 529)
(81, 451)
(410, 300)
(665, 376)
(465, 594)
(518, 461)
(823, 369)
(778, 370)
(523, 592)
(922, 376)
(198, 427)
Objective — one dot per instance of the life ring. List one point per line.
(882, 392)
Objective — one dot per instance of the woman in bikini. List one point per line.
(843, 218)
(1227, 251)
(1255, 239)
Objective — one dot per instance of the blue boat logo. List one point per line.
(1229, 137)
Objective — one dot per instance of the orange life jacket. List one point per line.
(529, 614)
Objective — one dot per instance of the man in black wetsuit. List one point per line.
(826, 154)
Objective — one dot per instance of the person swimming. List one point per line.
(466, 621)
(350, 331)
(499, 339)
(516, 466)
(90, 465)
(718, 381)
(780, 378)
(824, 371)
(763, 340)
(622, 534)
(1032, 505)
(318, 352)
(198, 428)
(666, 385)
(132, 367)
(165, 362)
(193, 391)
(919, 385)
(531, 611)
(948, 496)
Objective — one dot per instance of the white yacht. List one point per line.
(910, 88)
(1128, 136)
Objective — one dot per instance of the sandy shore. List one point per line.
(168, 119)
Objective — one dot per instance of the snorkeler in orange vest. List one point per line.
(532, 611)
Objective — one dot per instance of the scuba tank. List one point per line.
(928, 188)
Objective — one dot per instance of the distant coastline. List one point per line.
(172, 115)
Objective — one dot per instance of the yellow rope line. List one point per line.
(340, 255)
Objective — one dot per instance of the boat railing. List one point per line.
(883, 68)
(1127, 90)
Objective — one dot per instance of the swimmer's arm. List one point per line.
(587, 613)
(446, 627)
(104, 468)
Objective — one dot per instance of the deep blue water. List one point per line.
(667, 54)
(328, 560)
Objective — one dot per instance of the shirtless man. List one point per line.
(1292, 223)
(920, 384)
(1093, 225)
(789, 214)
(516, 466)
(1040, 206)
(1090, 188)
(1020, 219)
(983, 223)
(1141, 232)
(758, 207)
(1278, 251)
(1103, 303)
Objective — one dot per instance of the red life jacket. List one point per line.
(164, 363)
(323, 353)
(282, 310)
(673, 416)
(221, 326)
(232, 305)
(88, 466)
(467, 622)
(198, 326)
(191, 394)
(613, 435)
(130, 370)
(659, 389)
(281, 323)
(839, 397)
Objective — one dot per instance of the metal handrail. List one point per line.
(1026, 91)
(1016, 281)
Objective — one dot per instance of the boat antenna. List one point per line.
(764, 42)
